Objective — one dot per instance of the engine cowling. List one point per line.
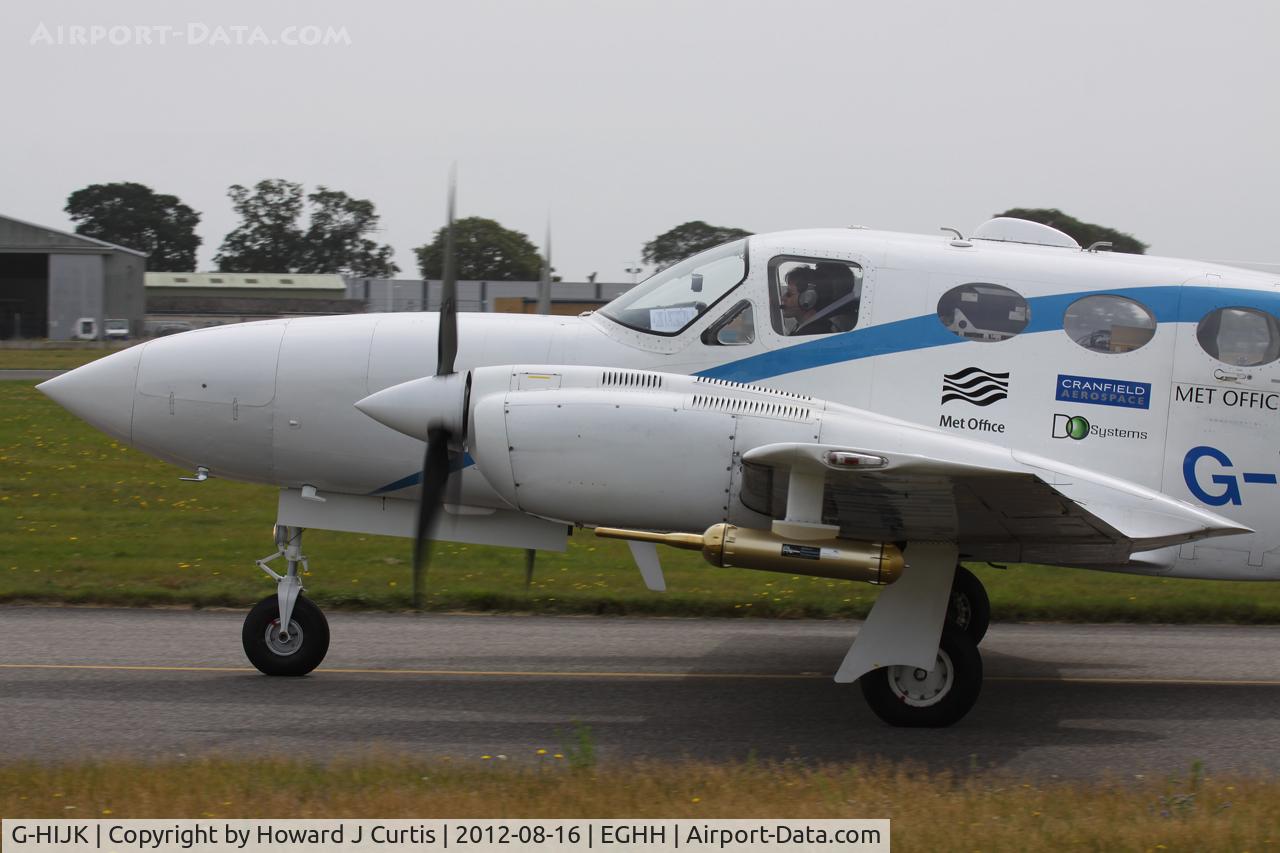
(605, 446)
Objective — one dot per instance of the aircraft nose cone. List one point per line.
(100, 392)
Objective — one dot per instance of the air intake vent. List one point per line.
(637, 379)
(747, 406)
(755, 389)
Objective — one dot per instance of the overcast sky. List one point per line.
(623, 119)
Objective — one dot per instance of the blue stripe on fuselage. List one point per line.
(416, 477)
(1169, 303)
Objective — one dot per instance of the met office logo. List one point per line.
(1103, 392)
(190, 34)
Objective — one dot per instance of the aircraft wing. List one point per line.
(1007, 506)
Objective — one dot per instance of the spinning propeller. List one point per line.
(441, 431)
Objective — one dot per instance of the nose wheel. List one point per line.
(285, 633)
(295, 651)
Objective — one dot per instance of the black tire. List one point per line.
(295, 658)
(969, 608)
(900, 697)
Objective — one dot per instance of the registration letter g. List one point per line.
(1231, 486)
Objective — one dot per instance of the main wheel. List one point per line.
(302, 652)
(969, 608)
(912, 697)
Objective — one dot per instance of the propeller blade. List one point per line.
(530, 556)
(437, 461)
(447, 341)
(544, 282)
(435, 477)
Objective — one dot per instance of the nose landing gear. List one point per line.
(285, 633)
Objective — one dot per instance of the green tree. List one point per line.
(270, 239)
(1084, 233)
(335, 240)
(136, 216)
(484, 251)
(687, 240)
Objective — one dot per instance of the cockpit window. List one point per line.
(669, 301)
(736, 328)
(813, 296)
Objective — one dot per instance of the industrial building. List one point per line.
(510, 297)
(60, 286)
(177, 300)
(63, 286)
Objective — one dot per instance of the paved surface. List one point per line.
(29, 375)
(1060, 700)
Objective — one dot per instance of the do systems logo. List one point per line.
(1078, 428)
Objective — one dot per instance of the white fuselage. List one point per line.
(272, 402)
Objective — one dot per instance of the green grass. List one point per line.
(928, 811)
(84, 519)
(52, 359)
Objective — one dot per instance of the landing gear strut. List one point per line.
(286, 634)
(915, 656)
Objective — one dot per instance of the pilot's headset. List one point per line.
(806, 287)
(808, 295)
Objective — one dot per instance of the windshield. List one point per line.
(669, 301)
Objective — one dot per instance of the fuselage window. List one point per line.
(670, 301)
(983, 312)
(812, 296)
(1245, 337)
(1109, 324)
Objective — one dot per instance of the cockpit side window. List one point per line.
(670, 301)
(813, 296)
(736, 328)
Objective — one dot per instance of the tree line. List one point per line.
(337, 236)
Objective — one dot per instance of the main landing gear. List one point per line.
(907, 678)
(286, 634)
(969, 609)
(914, 697)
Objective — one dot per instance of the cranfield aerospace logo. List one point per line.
(1078, 428)
(1103, 392)
(975, 385)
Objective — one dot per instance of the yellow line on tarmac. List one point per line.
(129, 667)
(1182, 682)
(737, 676)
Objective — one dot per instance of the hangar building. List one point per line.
(51, 279)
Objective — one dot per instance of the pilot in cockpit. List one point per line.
(799, 298)
(820, 300)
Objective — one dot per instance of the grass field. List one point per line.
(928, 812)
(84, 519)
(51, 359)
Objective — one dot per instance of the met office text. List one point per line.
(190, 34)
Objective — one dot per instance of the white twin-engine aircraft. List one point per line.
(842, 403)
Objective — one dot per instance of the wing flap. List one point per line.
(993, 503)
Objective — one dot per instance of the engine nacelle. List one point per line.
(601, 446)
